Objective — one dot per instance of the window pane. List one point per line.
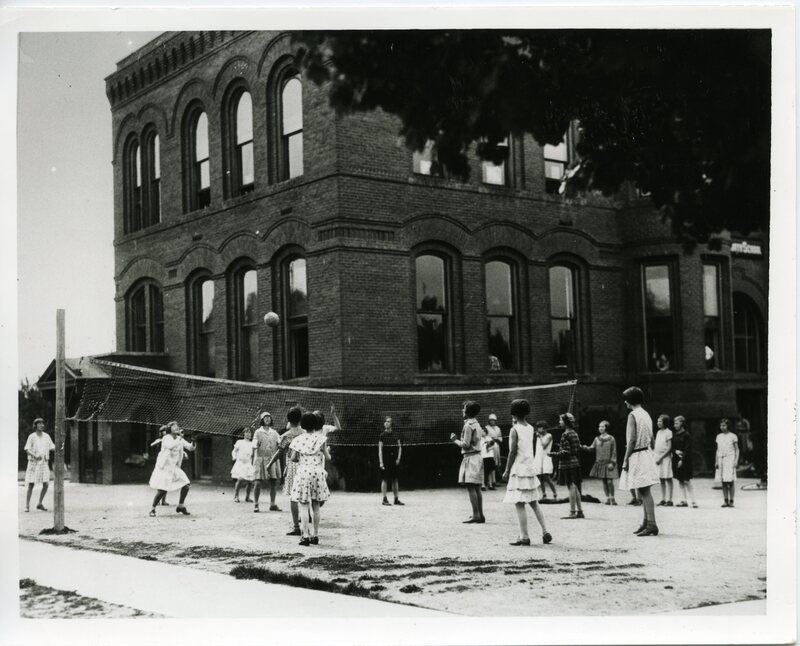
(431, 341)
(295, 155)
(207, 305)
(298, 346)
(557, 152)
(562, 295)
(207, 355)
(500, 357)
(250, 348)
(292, 100)
(137, 180)
(156, 158)
(298, 293)
(137, 325)
(562, 339)
(657, 296)
(201, 138)
(498, 289)
(554, 170)
(423, 159)
(430, 284)
(494, 173)
(710, 291)
(248, 175)
(156, 319)
(244, 119)
(205, 175)
(660, 346)
(249, 298)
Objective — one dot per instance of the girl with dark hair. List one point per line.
(293, 418)
(663, 456)
(727, 458)
(309, 486)
(167, 474)
(683, 466)
(569, 466)
(471, 472)
(639, 469)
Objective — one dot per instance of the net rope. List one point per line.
(147, 396)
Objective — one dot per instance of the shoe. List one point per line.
(305, 541)
(546, 538)
(694, 505)
(295, 532)
(607, 502)
(481, 520)
(682, 504)
(386, 503)
(27, 508)
(236, 500)
(579, 515)
(725, 504)
(730, 504)
(661, 504)
(633, 502)
(152, 513)
(314, 540)
(492, 488)
(401, 504)
(41, 507)
(483, 488)
(470, 520)
(570, 517)
(164, 503)
(649, 531)
(669, 504)
(248, 500)
(613, 503)
(521, 541)
(274, 508)
(641, 528)
(256, 509)
(180, 509)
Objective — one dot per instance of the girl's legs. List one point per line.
(730, 492)
(571, 489)
(537, 510)
(669, 489)
(249, 489)
(184, 492)
(257, 494)
(605, 490)
(236, 488)
(663, 482)
(315, 515)
(690, 490)
(611, 490)
(28, 496)
(160, 495)
(574, 487)
(43, 492)
(383, 488)
(273, 491)
(396, 489)
(649, 507)
(479, 498)
(304, 517)
(522, 518)
(295, 509)
(682, 485)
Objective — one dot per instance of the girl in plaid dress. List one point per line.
(38, 447)
(569, 466)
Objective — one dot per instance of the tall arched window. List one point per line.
(144, 321)
(748, 335)
(564, 322)
(132, 170)
(202, 325)
(500, 315)
(153, 179)
(431, 305)
(240, 172)
(291, 124)
(295, 305)
(245, 321)
(197, 167)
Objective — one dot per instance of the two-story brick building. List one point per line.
(238, 191)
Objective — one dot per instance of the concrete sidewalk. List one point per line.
(183, 592)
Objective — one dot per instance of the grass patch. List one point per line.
(299, 580)
(410, 588)
(26, 583)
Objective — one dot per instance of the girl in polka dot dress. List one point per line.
(310, 487)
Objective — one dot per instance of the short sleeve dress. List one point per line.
(310, 479)
(605, 462)
(542, 462)
(642, 471)
(38, 470)
(242, 455)
(291, 466)
(523, 485)
(726, 456)
(665, 467)
(167, 474)
(471, 469)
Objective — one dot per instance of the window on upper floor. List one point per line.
(433, 336)
(245, 323)
(197, 171)
(240, 171)
(565, 325)
(152, 170)
(748, 335)
(659, 317)
(290, 158)
(558, 158)
(132, 185)
(425, 162)
(144, 318)
(500, 314)
(202, 324)
(497, 174)
(294, 285)
(712, 292)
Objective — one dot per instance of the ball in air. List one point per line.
(271, 319)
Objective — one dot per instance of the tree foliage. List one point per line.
(682, 114)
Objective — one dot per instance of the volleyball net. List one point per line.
(147, 396)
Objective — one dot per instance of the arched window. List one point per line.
(153, 166)
(132, 169)
(432, 313)
(144, 321)
(564, 321)
(197, 168)
(748, 335)
(500, 314)
(239, 134)
(202, 325)
(245, 321)
(295, 307)
(291, 128)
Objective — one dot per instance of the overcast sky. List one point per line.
(65, 192)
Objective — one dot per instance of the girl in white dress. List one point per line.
(523, 485)
(310, 486)
(167, 474)
(38, 447)
(542, 462)
(639, 469)
(242, 471)
(663, 455)
(726, 460)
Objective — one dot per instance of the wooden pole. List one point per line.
(58, 489)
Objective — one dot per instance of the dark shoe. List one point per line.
(521, 541)
(386, 503)
(401, 504)
(482, 519)
(580, 515)
(274, 508)
(546, 538)
(694, 505)
(27, 508)
(180, 509)
(661, 504)
(725, 504)
(470, 520)
(236, 500)
(613, 503)
(492, 488)
(315, 540)
(256, 509)
(633, 502)
(295, 532)
(682, 504)
(305, 541)
(570, 517)
(152, 513)
(730, 504)
(608, 501)
(669, 504)
(248, 500)
(41, 507)
(164, 503)
(641, 529)
(649, 531)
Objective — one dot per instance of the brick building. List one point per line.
(237, 192)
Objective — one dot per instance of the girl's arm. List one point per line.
(735, 452)
(467, 441)
(336, 423)
(512, 452)
(548, 442)
(380, 453)
(613, 451)
(235, 451)
(156, 441)
(592, 447)
(630, 434)
(326, 451)
(399, 450)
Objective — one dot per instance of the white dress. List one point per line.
(542, 462)
(642, 471)
(523, 485)
(167, 474)
(665, 467)
(38, 471)
(726, 454)
(242, 455)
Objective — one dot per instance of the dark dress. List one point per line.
(682, 441)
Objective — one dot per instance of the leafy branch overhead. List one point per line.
(682, 114)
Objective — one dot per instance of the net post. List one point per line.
(58, 488)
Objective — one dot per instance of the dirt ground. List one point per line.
(40, 602)
(422, 554)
